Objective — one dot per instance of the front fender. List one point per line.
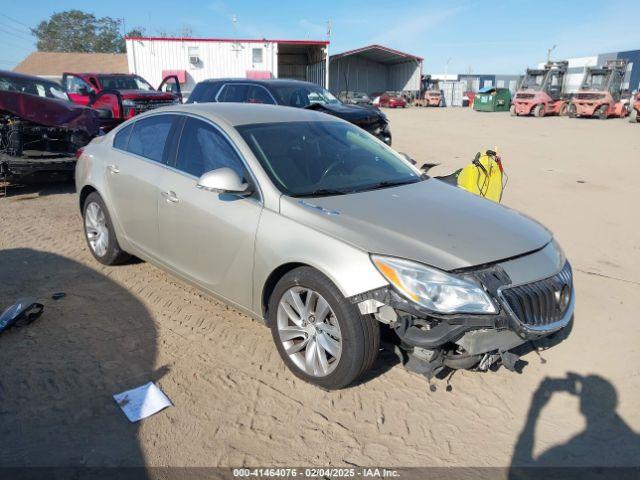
(280, 240)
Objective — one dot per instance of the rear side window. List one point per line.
(233, 93)
(204, 92)
(122, 138)
(150, 135)
(203, 148)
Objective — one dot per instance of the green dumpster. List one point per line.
(492, 99)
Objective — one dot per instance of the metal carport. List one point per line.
(374, 69)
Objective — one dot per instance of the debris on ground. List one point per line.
(142, 402)
(21, 313)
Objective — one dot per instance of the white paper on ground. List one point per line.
(142, 402)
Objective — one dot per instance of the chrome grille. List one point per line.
(146, 105)
(543, 303)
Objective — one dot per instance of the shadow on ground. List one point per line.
(58, 374)
(606, 441)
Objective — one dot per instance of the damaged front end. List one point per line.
(39, 136)
(527, 308)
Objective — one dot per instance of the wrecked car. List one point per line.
(292, 93)
(123, 94)
(40, 129)
(311, 224)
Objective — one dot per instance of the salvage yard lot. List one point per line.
(234, 401)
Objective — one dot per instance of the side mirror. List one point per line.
(223, 180)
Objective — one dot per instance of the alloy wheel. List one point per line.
(309, 331)
(95, 225)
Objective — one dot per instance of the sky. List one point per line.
(456, 36)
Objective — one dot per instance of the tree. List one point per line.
(77, 31)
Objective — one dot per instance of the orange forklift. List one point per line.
(602, 93)
(542, 91)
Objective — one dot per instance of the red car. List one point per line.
(392, 100)
(125, 95)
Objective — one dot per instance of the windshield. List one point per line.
(124, 82)
(41, 88)
(303, 95)
(325, 158)
(595, 81)
(534, 80)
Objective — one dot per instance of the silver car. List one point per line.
(311, 224)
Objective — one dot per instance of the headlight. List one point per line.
(128, 103)
(434, 289)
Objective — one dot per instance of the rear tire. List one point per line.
(300, 322)
(99, 232)
(635, 114)
(539, 110)
(573, 113)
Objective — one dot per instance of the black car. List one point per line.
(291, 93)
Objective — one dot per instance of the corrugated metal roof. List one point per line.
(379, 54)
(55, 63)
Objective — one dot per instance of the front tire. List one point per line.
(602, 112)
(512, 111)
(321, 336)
(99, 232)
(539, 110)
(573, 111)
(635, 114)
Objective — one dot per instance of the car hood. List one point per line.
(429, 222)
(50, 112)
(356, 114)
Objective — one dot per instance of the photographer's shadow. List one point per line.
(58, 374)
(606, 441)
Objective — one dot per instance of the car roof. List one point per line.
(261, 81)
(101, 74)
(249, 113)
(23, 76)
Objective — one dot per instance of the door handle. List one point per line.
(113, 169)
(170, 196)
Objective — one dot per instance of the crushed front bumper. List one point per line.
(36, 168)
(534, 293)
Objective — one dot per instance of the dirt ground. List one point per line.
(234, 403)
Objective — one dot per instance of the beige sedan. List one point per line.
(316, 227)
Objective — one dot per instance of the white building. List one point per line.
(195, 59)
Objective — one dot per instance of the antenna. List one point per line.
(328, 29)
(549, 50)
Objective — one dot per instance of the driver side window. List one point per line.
(203, 148)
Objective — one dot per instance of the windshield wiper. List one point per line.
(322, 192)
(387, 183)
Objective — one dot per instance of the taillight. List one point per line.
(79, 152)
